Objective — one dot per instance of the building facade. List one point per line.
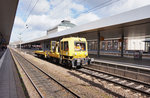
(64, 25)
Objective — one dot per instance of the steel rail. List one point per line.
(38, 91)
(118, 76)
(123, 85)
(51, 77)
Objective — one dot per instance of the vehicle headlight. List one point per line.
(75, 53)
(66, 53)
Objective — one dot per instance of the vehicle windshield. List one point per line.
(80, 46)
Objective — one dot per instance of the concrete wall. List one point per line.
(61, 28)
(52, 31)
(57, 29)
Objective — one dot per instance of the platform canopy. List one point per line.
(134, 23)
(7, 15)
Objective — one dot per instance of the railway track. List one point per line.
(138, 86)
(45, 85)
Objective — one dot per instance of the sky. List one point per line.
(34, 17)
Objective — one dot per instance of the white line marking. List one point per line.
(2, 58)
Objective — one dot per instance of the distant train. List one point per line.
(72, 52)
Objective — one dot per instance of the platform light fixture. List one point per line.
(26, 27)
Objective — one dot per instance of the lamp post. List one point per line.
(20, 40)
(21, 34)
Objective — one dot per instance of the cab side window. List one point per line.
(66, 48)
(58, 47)
(61, 45)
(53, 46)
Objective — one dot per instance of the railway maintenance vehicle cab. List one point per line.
(54, 54)
(74, 52)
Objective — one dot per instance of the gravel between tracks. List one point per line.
(83, 85)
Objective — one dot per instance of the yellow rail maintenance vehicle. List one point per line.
(41, 53)
(74, 52)
(54, 55)
(71, 51)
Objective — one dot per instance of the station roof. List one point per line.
(133, 17)
(7, 15)
(64, 23)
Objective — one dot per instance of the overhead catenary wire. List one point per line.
(66, 6)
(107, 3)
(29, 14)
(24, 29)
(70, 5)
(99, 6)
(58, 4)
(102, 5)
(32, 9)
(27, 8)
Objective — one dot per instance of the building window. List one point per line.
(92, 45)
(103, 45)
(109, 45)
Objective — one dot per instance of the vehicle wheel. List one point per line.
(50, 59)
(78, 67)
(70, 64)
(37, 55)
(60, 60)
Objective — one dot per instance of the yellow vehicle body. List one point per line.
(54, 50)
(72, 51)
(54, 54)
(41, 53)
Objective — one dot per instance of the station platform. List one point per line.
(1, 53)
(10, 85)
(122, 60)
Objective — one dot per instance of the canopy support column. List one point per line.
(122, 43)
(98, 42)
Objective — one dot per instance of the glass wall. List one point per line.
(107, 47)
(92, 45)
(147, 47)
